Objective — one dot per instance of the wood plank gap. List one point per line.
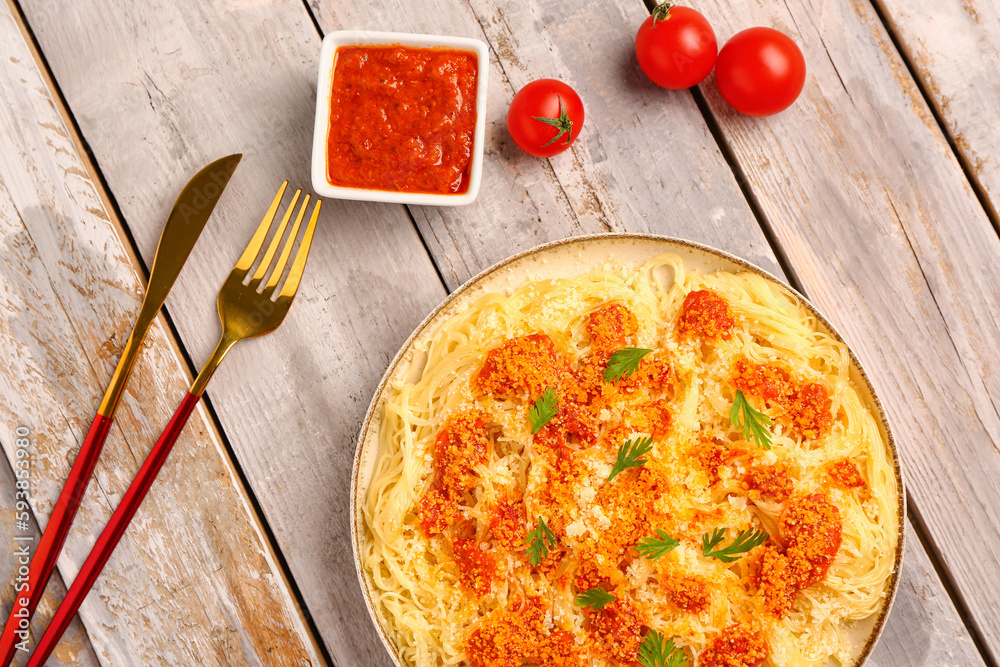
(104, 192)
(125, 233)
(744, 185)
(423, 242)
(741, 180)
(312, 16)
(923, 536)
(80, 140)
(279, 557)
(907, 59)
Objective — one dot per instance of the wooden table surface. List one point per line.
(875, 195)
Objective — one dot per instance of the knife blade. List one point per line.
(191, 211)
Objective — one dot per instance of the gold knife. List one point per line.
(187, 218)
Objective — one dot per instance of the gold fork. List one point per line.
(247, 309)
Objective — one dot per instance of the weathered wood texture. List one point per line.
(194, 580)
(881, 227)
(644, 161)
(924, 628)
(161, 88)
(75, 649)
(953, 47)
(175, 71)
(546, 38)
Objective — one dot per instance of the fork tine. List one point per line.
(250, 254)
(279, 268)
(299, 265)
(276, 239)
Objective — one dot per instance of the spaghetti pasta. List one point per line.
(461, 483)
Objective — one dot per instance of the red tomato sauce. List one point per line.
(477, 569)
(705, 312)
(402, 119)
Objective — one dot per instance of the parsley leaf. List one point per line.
(543, 410)
(539, 542)
(709, 543)
(628, 455)
(753, 423)
(595, 598)
(652, 547)
(658, 651)
(744, 542)
(624, 362)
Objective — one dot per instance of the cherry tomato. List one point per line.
(676, 47)
(760, 71)
(545, 117)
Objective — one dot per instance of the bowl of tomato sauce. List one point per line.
(400, 118)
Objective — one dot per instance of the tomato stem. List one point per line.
(561, 123)
(661, 12)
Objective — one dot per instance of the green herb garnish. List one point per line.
(753, 423)
(652, 547)
(561, 122)
(658, 651)
(543, 410)
(628, 455)
(595, 598)
(743, 543)
(624, 362)
(539, 542)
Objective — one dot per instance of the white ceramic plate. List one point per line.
(566, 258)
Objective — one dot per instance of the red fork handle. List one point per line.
(28, 591)
(113, 532)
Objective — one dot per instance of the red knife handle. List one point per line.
(29, 591)
(113, 532)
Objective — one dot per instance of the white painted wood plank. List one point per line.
(194, 580)
(884, 232)
(954, 49)
(536, 39)
(644, 161)
(75, 649)
(160, 89)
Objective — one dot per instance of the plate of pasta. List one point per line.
(626, 449)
